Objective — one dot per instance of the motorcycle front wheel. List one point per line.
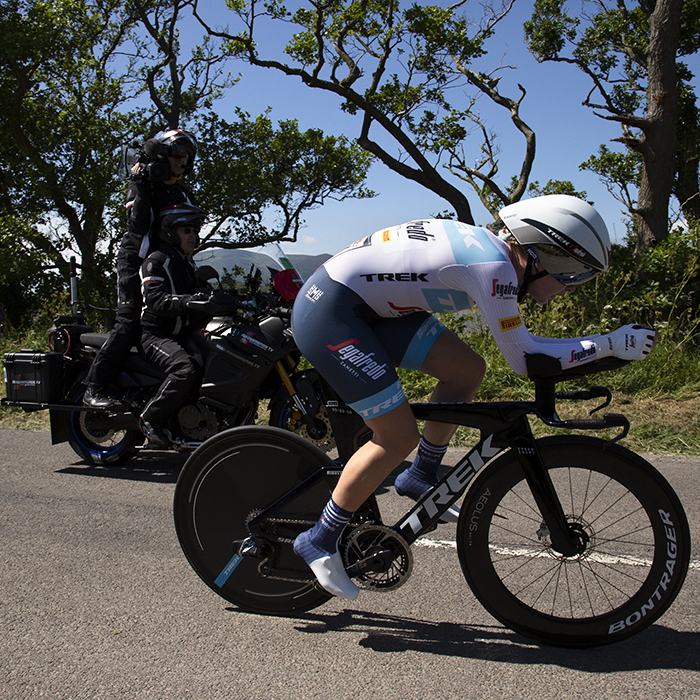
(94, 444)
(285, 414)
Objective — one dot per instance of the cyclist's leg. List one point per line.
(335, 331)
(395, 436)
(459, 371)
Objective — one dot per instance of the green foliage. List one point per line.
(78, 79)
(621, 173)
(633, 85)
(250, 172)
(555, 187)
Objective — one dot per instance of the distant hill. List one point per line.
(245, 258)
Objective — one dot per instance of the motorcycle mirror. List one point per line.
(206, 273)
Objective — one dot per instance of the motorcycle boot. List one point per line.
(96, 397)
(155, 434)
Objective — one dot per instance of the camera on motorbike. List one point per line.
(147, 161)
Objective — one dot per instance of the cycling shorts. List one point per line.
(354, 349)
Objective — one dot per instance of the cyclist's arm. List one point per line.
(493, 287)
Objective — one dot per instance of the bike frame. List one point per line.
(502, 425)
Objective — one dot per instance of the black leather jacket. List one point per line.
(167, 283)
(144, 200)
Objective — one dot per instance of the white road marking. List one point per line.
(526, 552)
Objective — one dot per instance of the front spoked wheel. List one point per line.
(227, 482)
(634, 537)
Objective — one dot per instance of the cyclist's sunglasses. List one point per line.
(567, 269)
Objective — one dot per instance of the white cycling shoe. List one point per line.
(330, 573)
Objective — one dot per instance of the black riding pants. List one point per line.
(125, 333)
(184, 376)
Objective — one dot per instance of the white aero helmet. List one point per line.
(564, 234)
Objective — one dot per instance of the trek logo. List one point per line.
(396, 277)
(578, 355)
(565, 242)
(394, 398)
(505, 291)
(357, 361)
(450, 489)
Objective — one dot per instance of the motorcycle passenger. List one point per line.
(168, 283)
(155, 186)
(369, 309)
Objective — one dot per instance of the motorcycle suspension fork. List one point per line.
(306, 416)
(562, 537)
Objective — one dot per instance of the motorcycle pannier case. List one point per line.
(33, 377)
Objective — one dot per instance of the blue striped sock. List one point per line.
(422, 474)
(322, 539)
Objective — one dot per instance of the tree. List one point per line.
(256, 181)
(78, 79)
(60, 124)
(397, 69)
(630, 52)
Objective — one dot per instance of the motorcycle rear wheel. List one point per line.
(97, 445)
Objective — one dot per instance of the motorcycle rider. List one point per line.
(168, 282)
(368, 310)
(171, 155)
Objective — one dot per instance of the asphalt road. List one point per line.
(97, 601)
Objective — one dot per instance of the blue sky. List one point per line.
(567, 134)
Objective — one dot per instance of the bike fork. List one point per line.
(563, 538)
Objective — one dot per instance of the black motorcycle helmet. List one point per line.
(173, 143)
(177, 215)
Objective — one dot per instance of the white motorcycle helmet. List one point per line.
(564, 234)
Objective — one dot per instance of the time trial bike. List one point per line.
(569, 539)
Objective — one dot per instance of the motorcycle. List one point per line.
(244, 343)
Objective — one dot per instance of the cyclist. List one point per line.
(368, 310)
(173, 152)
(169, 281)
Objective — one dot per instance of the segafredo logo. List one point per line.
(506, 291)
(447, 491)
(353, 358)
(583, 354)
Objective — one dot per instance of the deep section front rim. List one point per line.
(631, 567)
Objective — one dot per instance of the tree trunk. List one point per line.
(658, 147)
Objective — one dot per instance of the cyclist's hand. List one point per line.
(633, 342)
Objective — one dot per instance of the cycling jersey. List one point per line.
(420, 267)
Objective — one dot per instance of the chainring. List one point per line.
(391, 550)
